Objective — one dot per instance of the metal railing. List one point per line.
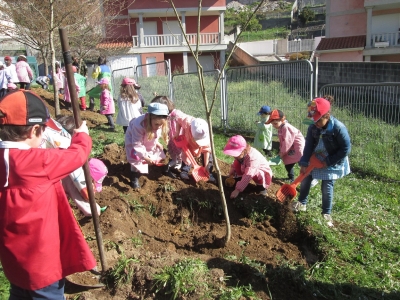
(175, 39)
(300, 45)
(385, 39)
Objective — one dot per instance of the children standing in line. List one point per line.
(58, 79)
(141, 140)
(24, 72)
(107, 106)
(5, 79)
(263, 137)
(129, 104)
(249, 164)
(67, 95)
(291, 141)
(101, 71)
(40, 240)
(81, 80)
(329, 141)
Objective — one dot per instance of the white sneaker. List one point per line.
(297, 206)
(328, 220)
(314, 182)
(264, 192)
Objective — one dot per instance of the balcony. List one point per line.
(383, 40)
(168, 40)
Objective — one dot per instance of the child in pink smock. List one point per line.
(249, 164)
(67, 94)
(107, 106)
(291, 141)
(141, 140)
(197, 135)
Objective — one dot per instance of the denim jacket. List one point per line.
(336, 141)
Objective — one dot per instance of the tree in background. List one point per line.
(35, 24)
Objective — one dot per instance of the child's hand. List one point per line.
(234, 194)
(82, 128)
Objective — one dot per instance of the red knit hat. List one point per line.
(23, 108)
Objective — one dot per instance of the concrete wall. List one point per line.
(357, 72)
(258, 48)
(348, 56)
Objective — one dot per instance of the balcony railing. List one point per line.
(381, 40)
(161, 40)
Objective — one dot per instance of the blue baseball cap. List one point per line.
(264, 110)
(158, 109)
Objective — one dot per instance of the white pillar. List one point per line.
(369, 27)
(141, 30)
(221, 27)
(183, 21)
(221, 59)
(185, 62)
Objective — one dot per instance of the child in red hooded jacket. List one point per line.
(40, 240)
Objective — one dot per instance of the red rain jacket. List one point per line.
(40, 240)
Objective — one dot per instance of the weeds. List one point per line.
(167, 187)
(239, 292)
(122, 272)
(152, 210)
(137, 241)
(183, 278)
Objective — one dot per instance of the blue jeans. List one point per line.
(326, 190)
(54, 291)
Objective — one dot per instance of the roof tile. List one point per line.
(115, 43)
(347, 42)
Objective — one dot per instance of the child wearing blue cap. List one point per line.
(141, 140)
(263, 137)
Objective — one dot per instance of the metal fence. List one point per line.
(371, 113)
(117, 77)
(287, 86)
(187, 95)
(154, 79)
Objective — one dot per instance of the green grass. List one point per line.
(261, 35)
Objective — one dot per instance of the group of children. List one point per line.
(327, 139)
(36, 222)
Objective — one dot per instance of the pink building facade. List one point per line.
(153, 32)
(361, 30)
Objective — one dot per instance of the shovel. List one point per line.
(198, 172)
(275, 161)
(289, 190)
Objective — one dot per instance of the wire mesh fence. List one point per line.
(371, 113)
(154, 79)
(188, 97)
(117, 77)
(286, 86)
